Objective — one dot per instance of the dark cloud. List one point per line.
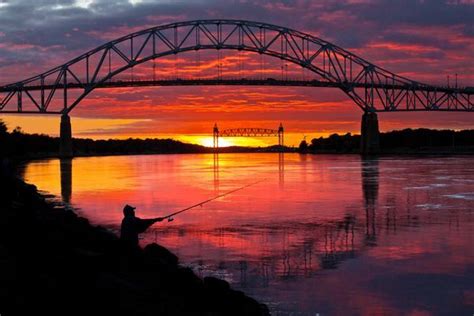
(48, 32)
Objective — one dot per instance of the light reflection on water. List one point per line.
(320, 234)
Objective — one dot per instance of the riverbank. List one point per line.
(55, 263)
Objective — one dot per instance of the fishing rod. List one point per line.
(170, 216)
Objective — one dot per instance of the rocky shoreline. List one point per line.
(53, 262)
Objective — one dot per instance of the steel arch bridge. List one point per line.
(371, 87)
(248, 132)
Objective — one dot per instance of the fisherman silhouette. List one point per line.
(132, 225)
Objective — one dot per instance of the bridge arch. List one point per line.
(372, 88)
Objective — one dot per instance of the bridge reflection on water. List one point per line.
(281, 169)
(326, 244)
(66, 180)
(66, 165)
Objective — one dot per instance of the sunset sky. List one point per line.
(425, 40)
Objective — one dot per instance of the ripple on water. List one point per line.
(439, 185)
(464, 180)
(422, 187)
(430, 206)
(469, 196)
(427, 187)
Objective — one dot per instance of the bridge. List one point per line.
(371, 88)
(248, 132)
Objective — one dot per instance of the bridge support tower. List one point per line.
(370, 134)
(215, 137)
(65, 137)
(281, 142)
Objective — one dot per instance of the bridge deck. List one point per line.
(235, 82)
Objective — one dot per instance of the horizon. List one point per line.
(206, 140)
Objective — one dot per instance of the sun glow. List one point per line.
(206, 141)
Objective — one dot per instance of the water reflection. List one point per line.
(281, 168)
(66, 180)
(324, 235)
(329, 242)
(215, 170)
(370, 189)
(370, 179)
(338, 243)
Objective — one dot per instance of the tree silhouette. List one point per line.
(3, 128)
(303, 146)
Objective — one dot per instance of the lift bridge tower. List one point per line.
(248, 132)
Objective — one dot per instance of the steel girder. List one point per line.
(248, 132)
(372, 88)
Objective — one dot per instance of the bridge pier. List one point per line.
(281, 134)
(215, 138)
(369, 134)
(65, 137)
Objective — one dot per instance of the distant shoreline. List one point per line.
(21, 146)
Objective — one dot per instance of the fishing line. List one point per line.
(170, 216)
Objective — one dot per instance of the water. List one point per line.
(320, 234)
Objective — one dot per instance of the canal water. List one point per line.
(320, 234)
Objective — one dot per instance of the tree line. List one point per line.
(19, 144)
(407, 140)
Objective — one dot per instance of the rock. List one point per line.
(156, 254)
(215, 284)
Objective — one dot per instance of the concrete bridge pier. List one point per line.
(65, 137)
(370, 134)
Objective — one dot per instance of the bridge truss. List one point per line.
(248, 132)
(372, 88)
